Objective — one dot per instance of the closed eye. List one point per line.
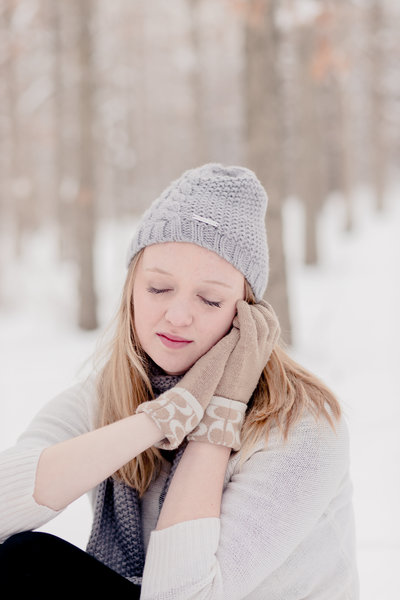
(211, 303)
(153, 290)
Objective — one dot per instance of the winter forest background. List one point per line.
(102, 104)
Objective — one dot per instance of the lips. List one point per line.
(174, 343)
(173, 338)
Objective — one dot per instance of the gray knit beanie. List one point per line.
(219, 208)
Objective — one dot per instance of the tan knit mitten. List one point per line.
(178, 411)
(259, 331)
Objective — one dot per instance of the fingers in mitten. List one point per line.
(247, 325)
(268, 314)
(261, 322)
(203, 377)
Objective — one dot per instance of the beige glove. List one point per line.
(178, 411)
(259, 331)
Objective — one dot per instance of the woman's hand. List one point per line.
(178, 411)
(259, 331)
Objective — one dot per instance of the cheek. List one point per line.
(141, 313)
(216, 328)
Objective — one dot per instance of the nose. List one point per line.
(179, 313)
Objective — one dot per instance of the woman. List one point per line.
(217, 466)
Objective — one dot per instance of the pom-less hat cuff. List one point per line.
(203, 235)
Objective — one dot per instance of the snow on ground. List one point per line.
(346, 329)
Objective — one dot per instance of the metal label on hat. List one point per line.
(204, 220)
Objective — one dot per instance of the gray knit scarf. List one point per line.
(116, 538)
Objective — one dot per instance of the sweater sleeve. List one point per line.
(67, 415)
(267, 510)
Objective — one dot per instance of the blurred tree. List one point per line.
(196, 84)
(336, 26)
(378, 90)
(19, 105)
(85, 201)
(346, 67)
(308, 173)
(323, 136)
(5, 62)
(264, 137)
(118, 37)
(62, 191)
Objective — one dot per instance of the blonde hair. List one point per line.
(284, 390)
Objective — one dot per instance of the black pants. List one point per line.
(39, 565)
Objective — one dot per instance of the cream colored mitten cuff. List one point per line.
(221, 424)
(176, 413)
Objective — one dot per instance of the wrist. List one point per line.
(221, 423)
(206, 449)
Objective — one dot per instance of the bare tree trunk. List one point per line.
(308, 172)
(347, 162)
(85, 203)
(324, 113)
(62, 200)
(20, 185)
(264, 124)
(378, 143)
(143, 132)
(344, 37)
(196, 84)
(127, 170)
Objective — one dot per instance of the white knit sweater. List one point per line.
(286, 530)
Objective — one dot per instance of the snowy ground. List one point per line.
(346, 329)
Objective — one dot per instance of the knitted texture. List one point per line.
(219, 208)
(116, 537)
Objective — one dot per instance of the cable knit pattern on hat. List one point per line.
(219, 208)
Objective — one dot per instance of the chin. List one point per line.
(174, 373)
(176, 368)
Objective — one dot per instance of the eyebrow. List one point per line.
(157, 270)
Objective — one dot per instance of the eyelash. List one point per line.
(153, 290)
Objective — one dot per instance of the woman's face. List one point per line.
(182, 290)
